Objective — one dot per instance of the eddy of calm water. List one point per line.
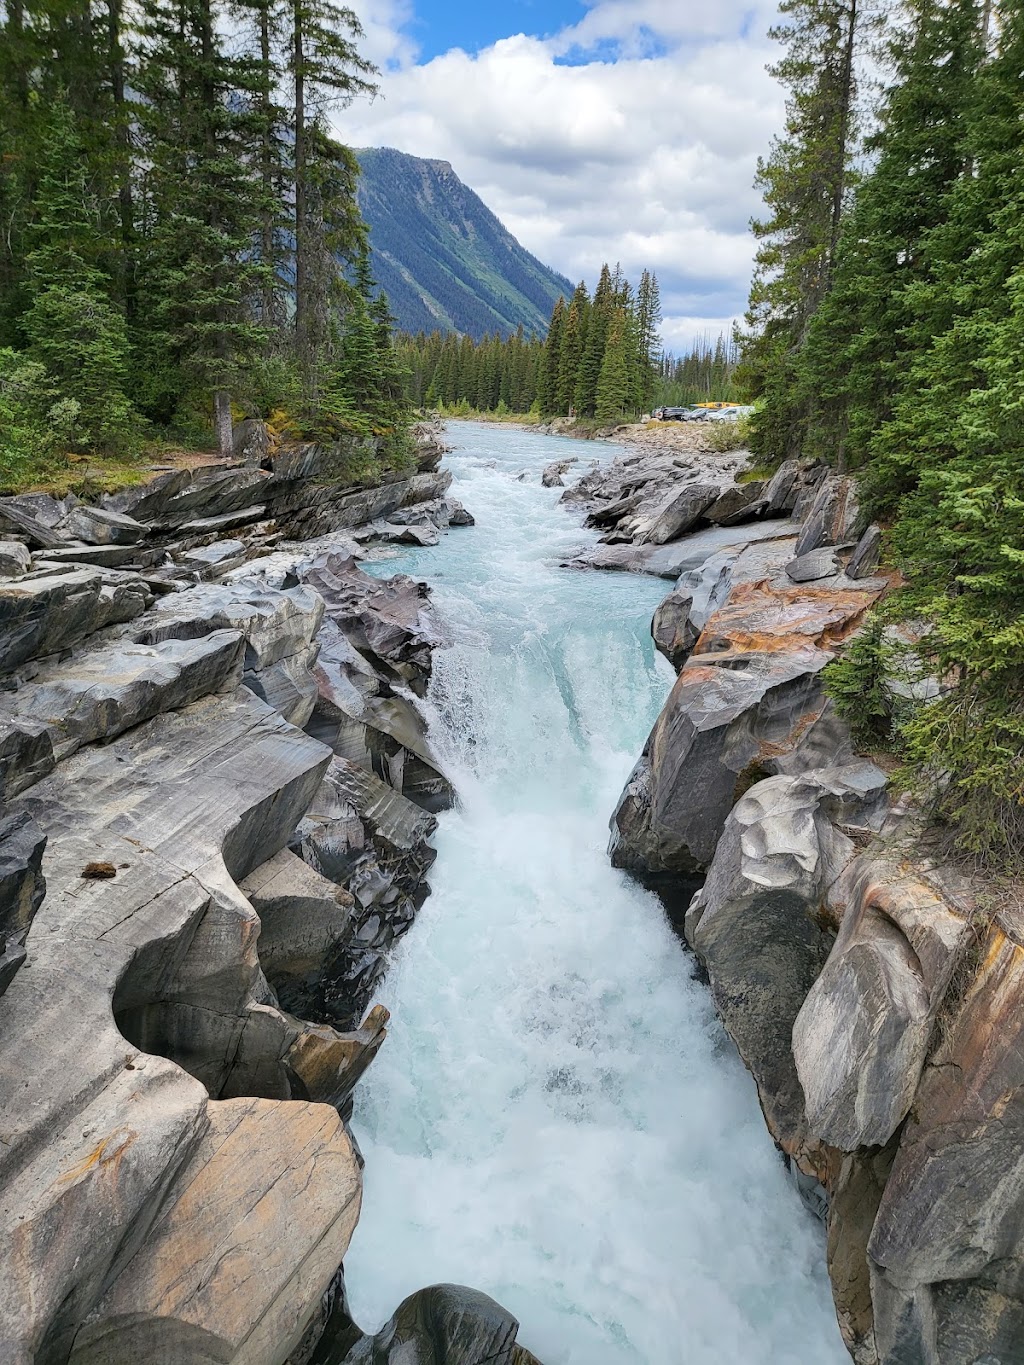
(556, 1117)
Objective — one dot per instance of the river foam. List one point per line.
(557, 1118)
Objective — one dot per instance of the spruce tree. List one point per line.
(805, 182)
(613, 387)
(570, 357)
(547, 379)
(602, 311)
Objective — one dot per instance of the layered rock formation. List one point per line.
(196, 897)
(876, 1007)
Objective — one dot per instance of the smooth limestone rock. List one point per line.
(26, 754)
(863, 1033)
(226, 1271)
(758, 927)
(748, 703)
(947, 1267)
(104, 691)
(96, 1131)
(738, 503)
(305, 924)
(279, 626)
(55, 610)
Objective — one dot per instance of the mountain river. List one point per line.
(556, 1117)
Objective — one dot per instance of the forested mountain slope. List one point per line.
(443, 258)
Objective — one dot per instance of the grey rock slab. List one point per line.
(833, 517)
(738, 503)
(866, 554)
(101, 526)
(22, 887)
(101, 693)
(15, 559)
(808, 568)
(552, 474)
(361, 717)
(227, 522)
(107, 556)
(173, 805)
(53, 611)
(26, 754)
(681, 511)
(458, 515)
(34, 518)
(388, 620)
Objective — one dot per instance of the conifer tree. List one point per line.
(613, 388)
(805, 181)
(570, 358)
(602, 311)
(547, 380)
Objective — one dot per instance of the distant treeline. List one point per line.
(703, 375)
(600, 359)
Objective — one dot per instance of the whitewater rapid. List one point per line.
(556, 1117)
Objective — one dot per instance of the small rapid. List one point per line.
(556, 1117)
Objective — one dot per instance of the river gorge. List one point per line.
(557, 1116)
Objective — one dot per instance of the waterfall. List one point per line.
(557, 1118)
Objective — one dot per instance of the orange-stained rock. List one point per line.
(747, 704)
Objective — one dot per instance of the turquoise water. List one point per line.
(556, 1117)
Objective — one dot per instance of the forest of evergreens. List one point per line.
(886, 335)
(600, 359)
(181, 242)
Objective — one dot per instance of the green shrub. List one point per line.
(856, 684)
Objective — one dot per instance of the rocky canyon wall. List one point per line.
(875, 1002)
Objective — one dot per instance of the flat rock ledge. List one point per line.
(216, 809)
(877, 1006)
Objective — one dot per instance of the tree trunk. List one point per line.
(222, 422)
(839, 183)
(301, 245)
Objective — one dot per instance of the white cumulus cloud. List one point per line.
(631, 137)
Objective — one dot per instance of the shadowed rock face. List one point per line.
(446, 1324)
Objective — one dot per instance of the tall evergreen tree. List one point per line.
(804, 181)
(547, 382)
(602, 311)
(570, 358)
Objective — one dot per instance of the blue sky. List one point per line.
(610, 130)
(439, 25)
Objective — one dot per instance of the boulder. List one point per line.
(815, 564)
(458, 516)
(446, 1324)
(863, 1033)
(361, 833)
(947, 1268)
(398, 535)
(47, 612)
(780, 492)
(681, 511)
(15, 559)
(738, 503)
(552, 475)
(748, 703)
(101, 526)
(363, 719)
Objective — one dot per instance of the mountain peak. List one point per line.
(443, 258)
